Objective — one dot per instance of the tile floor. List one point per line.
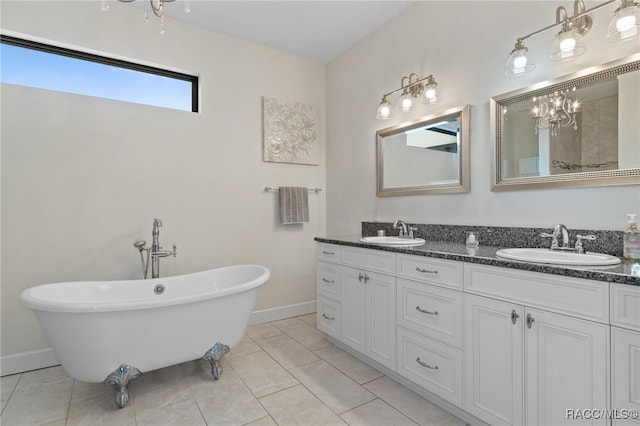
(282, 373)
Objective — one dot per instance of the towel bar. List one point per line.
(268, 188)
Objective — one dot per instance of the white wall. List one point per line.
(465, 45)
(83, 178)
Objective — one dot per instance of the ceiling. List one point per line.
(317, 30)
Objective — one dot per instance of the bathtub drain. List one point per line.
(158, 289)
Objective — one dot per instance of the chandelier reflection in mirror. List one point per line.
(413, 89)
(554, 111)
(157, 6)
(624, 25)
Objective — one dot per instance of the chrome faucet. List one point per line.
(155, 251)
(561, 231)
(406, 231)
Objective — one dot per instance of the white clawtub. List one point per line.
(95, 328)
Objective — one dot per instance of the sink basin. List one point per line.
(542, 255)
(393, 241)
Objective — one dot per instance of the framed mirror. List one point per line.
(426, 156)
(577, 130)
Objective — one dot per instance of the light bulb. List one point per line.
(625, 23)
(520, 62)
(567, 44)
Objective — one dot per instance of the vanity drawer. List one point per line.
(329, 280)
(329, 320)
(625, 306)
(373, 260)
(443, 272)
(432, 311)
(576, 297)
(431, 365)
(329, 252)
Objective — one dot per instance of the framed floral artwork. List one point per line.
(290, 132)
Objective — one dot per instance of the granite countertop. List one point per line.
(624, 273)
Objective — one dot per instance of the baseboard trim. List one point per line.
(34, 360)
(27, 361)
(282, 312)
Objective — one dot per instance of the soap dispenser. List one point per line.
(631, 240)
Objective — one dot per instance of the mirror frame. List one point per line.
(630, 176)
(462, 113)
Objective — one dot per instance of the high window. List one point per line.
(32, 64)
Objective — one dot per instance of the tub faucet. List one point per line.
(157, 223)
(155, 252)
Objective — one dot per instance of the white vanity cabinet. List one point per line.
(625, 352)
(498, 345)
(526, 365)
(357, 300)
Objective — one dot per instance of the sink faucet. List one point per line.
(406, 231)
(559, 230)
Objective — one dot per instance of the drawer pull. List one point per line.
(419, 309)
(328, 281)
(330, 253)
(427, 271)
(327, 317)
(424, 364)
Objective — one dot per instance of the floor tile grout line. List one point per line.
(12, 392)
(204, 419)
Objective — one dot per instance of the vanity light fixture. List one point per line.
(624, 25)
(554, 111)
(157, 6)
(412, 88)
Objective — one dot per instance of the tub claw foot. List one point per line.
(120, 378)
(214, 355)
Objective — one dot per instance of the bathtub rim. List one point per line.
(46, 305)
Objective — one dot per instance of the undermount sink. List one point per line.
(393, 241)
(542, 255)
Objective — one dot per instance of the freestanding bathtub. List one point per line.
(112, 331)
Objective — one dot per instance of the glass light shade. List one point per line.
(405, 102)
(430, 94)
(519, 63)
(625, 24)
(567, 45)
(384, 110)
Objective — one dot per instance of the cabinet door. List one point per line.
(566, 368)
(381, 318)
(353, 308)
(493, 387)
(625, 346)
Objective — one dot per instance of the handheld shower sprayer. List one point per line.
(141, 246)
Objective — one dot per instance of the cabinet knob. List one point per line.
(424, 364)
(514, 316)
(360, 277)
(530, 320)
